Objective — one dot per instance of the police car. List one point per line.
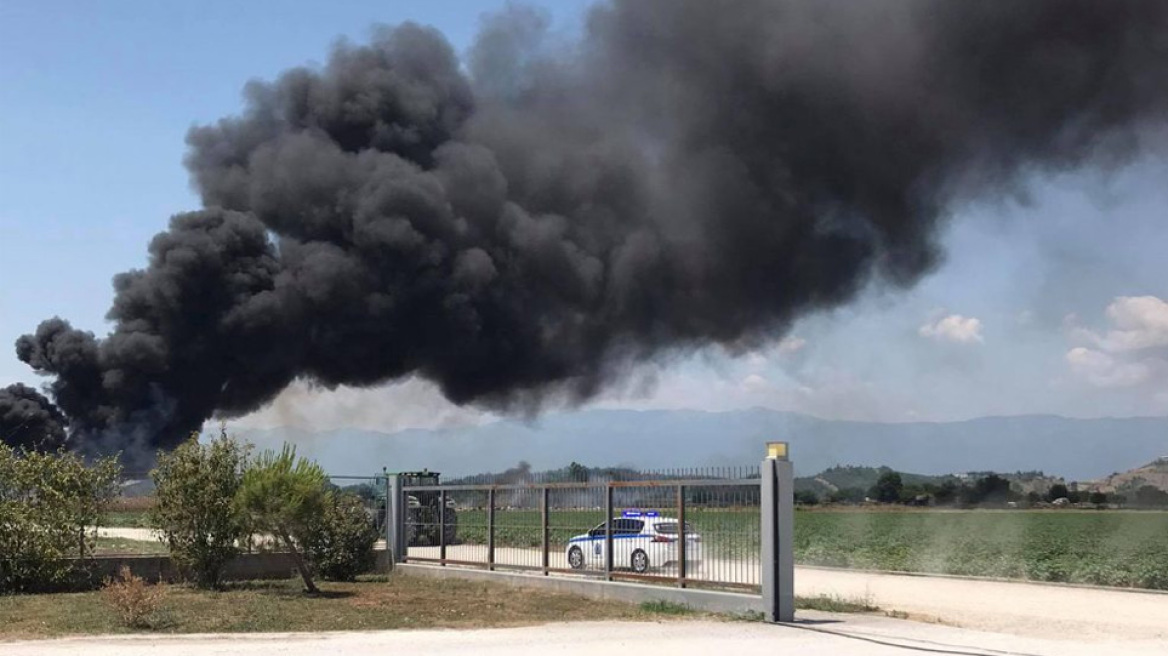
(640, 541)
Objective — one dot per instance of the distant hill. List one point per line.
(1154, 473)
(1077, 449)
(842, 477)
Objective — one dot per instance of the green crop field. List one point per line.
(520, 528)
(1115, 548)
(1103, 548)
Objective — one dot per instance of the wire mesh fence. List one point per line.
(682, 527)
(371, 490)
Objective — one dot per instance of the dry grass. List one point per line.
(132, 504)
(395, 602)
(134, 600)
(836, 604)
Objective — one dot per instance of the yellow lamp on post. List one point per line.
(777, 450)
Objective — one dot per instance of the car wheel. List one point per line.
(640, 561)
(575, 558)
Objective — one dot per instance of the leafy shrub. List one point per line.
(50, 506)
(135, 601)
(285, 496)
(195, 510)
(340, 545)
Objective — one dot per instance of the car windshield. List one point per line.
(670, 528)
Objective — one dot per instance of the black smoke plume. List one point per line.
(529, 223)
(28, 420)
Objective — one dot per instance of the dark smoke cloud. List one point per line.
(690, 173)
(28, 420)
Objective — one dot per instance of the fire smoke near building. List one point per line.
(531, 221)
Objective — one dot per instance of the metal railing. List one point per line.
(611, 529)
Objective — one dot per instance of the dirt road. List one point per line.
(819, 635)
(1024, 609)
(1018, 608)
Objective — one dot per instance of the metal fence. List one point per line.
(626, 529)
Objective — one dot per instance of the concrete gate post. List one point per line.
(778, 527)
(395, 520)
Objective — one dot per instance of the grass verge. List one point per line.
(824, 603)
(394, 602)
(835, 604)
(662, 607)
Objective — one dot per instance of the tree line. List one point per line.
(984, 490)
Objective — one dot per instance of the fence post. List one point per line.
(544, 512)
(608, 532)
(442, 527)
(395, 521)
(681, 537)
(491, 529)
(778, 524)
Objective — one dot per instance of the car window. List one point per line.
(670, 528)
(627, 526)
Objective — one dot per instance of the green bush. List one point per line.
(50, 506)
(340, 545)
(196, 514)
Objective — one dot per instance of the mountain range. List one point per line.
(1077, 449)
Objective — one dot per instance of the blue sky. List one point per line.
(1048, 304)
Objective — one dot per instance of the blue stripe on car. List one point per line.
(615, 537)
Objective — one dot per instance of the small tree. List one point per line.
(806, 498)
(196, 514)
(1057, 491)
(285, 496)
(577, 472)
(887, 488)
(991, 489)
(946, 493)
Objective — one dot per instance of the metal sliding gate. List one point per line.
(730, 529)
(615, 530)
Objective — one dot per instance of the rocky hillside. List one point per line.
(1154, 473)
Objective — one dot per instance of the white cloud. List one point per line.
(1130, 352)
(791, 345)
(755, 383)
(757, 360)
(1139, 322)
(1103, 370)
(954, 328)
